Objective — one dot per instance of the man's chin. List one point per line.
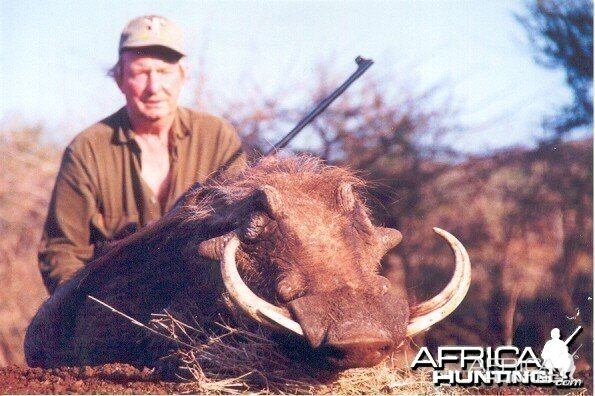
(155, 115)
(152, 118)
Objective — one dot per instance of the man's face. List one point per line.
(151, 83)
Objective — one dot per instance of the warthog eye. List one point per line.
(254, 226)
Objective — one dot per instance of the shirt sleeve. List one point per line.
(65, 245)
(232, 156)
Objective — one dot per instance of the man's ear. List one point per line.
(118, 71)
(184, 69)
(118, 81)
(118, 75)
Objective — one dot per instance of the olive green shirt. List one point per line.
(99, 189)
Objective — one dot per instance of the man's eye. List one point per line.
(137, 73)
(168, 71)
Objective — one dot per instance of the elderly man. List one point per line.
(127, 170)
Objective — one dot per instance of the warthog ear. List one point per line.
(271, 200)
(365, 224)
(345, 198)
(213, 248)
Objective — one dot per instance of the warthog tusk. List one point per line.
(255, 307)
(440, 306)
(424, 315)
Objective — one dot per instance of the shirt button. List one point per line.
(153, 200)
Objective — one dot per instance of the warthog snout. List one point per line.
(352, 329)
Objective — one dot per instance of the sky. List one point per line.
(54, 56)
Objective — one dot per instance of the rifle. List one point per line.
(574, 334)
(362, 65)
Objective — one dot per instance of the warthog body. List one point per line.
(303, 241)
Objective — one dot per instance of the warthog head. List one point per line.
(309, 256)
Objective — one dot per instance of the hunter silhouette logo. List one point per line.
(503, 365)
(555, 354)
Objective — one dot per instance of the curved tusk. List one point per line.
(255, 307)
(440, 306)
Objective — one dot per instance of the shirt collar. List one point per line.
(180, 126)
(123, 133)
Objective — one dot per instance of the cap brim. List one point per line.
(152, 43)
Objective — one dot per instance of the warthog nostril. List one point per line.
(357, 351)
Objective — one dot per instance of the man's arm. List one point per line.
(65, 245)
(233, 159)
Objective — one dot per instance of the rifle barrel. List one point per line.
(362, 66)
(574, 333)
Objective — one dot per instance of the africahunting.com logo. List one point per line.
(504, 365)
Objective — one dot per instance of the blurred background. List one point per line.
(477, 118)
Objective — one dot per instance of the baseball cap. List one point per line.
(152, 30)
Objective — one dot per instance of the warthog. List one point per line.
(297, 253)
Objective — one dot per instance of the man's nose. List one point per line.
(155, 82)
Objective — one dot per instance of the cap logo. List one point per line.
(154, 24)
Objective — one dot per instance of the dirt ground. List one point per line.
(106, 379)
(125, 379)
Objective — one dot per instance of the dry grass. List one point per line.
(242, 359)
(27, 174)
(237, 360)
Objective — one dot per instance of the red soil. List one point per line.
(124, 379)
(106, 379)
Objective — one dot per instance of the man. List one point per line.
(555, 356)
(128, 170)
